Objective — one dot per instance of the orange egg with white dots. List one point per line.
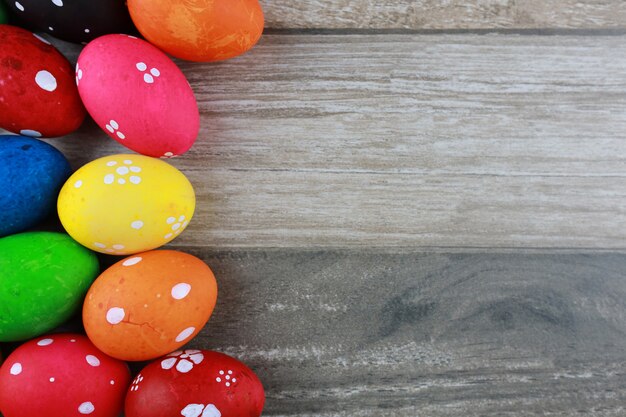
(149, 304)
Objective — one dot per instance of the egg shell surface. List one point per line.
(3, 14)
(31, 175)
(62, 375)
(149, 304)
(38, 95)
(73, 21)
(202, 30)
(138, 96)
(124, 204)
(43, 279)
(195, 383)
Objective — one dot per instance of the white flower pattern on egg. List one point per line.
(114, 127)
(116, 247)
(226, 377)
(148, 76)
(79, 74)
(126, 173)
(200, 410)
(184, 360)
(136, 382)
(176, 225)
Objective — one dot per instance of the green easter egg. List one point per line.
(3, 14)
(44, 277)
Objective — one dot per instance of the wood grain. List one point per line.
(451, 14)
(342, 333)
(406, 140)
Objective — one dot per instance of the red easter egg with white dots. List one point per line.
(38, 95)
(138, 96)
(195, 383)
(62, 375)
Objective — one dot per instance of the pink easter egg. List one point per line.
(138, 96)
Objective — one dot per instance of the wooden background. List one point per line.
(416, 207)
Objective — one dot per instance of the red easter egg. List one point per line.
(195, 383)
(138, 96)
(62, 375)
(38, 95)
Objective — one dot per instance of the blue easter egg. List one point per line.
(31, 175)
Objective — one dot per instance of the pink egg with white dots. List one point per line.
(138, 96)
(62, 375)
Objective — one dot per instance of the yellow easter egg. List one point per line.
(124, 204)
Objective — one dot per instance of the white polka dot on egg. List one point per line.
(86, 408)
(185, 334)
(132, 261)
(46, 81)
(30, 132)
(181, 290)
(16, 369)
(115, 315)
(92, 360)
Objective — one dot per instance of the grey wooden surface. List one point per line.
(408, 224)
(407, 140)
(449, 14)
(369, 333)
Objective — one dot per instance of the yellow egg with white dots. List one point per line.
(124, 204)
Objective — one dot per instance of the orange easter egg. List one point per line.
(199, 30)
(149, 304)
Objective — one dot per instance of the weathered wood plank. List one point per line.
(340, 333)
(436, 14)
(413, 140)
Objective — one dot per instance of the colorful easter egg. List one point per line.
(149, 304)
(3, 14)
(138, 96)
(73, 21)
(43, 279)
(124, 204)
(31, 175)
(200, 30)
(195, 383)
(38, 95)
(62, 375)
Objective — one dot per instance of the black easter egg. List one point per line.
(75, 21)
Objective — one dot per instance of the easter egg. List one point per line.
(31, 175)
(149, 304)
(3, 14)
(62, 375)
(73, 21)
(195, 383)
(138, 96)
(199, 30)
(43, 279)
(124, 204)
(38, 95)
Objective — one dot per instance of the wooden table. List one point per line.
(417, 207)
